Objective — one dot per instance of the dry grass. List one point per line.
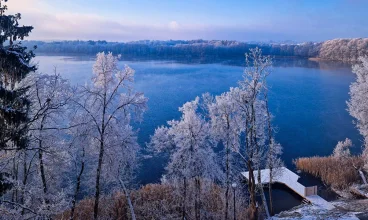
(336, 172)
(160, 201)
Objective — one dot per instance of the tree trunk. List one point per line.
(362, 176)
(185, 198)
(40, 157)
(97, 194)
(227, 184)
(199, 198)
(270, 162)
(252, 193)
(127, 195)
(260, 185)
(197, 205)
(77, 189)
(42, 169)
(100, 157)
(15, 177)
(270, 192)
(25, 175)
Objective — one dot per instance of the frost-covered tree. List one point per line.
(226, 129)
(342, 149)
(78, 146)
(358, 103)
(191, 145)
(108, 103)
(241, 121)
(49, 96)
(273, 162)
(344, 49)
(252, 106)
(37, 185)
(274, 150)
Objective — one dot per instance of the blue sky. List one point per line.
(244, 20)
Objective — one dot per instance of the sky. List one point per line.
(242, 20)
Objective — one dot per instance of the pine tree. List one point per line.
(14, 66)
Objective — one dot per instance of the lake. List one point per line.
(307, 99)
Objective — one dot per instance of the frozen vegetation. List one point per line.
(71, 152)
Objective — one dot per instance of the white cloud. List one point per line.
(51, 24)
(173, 25)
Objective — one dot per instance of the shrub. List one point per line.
(162, 201)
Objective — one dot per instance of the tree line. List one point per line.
(347, 50)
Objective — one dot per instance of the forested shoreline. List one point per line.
(346, 50)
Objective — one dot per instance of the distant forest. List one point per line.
(347, 50)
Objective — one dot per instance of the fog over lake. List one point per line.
(307, 99)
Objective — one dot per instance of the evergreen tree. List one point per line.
(14, 66)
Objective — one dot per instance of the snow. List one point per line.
(320, 202)
(285, 176)
(314, 212)
(20, 57)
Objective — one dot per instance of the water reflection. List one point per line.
(236, 61)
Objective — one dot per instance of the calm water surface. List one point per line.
(307, 99)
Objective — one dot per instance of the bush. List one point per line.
(162, 201)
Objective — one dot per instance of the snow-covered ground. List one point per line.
(342, 209)
(320, 202)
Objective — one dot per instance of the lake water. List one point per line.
(308, 99)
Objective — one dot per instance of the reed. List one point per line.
(336, 172)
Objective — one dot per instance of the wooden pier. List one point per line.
(290, 179)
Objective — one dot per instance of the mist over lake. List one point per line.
(307, 99)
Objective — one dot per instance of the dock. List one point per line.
(290, 179)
